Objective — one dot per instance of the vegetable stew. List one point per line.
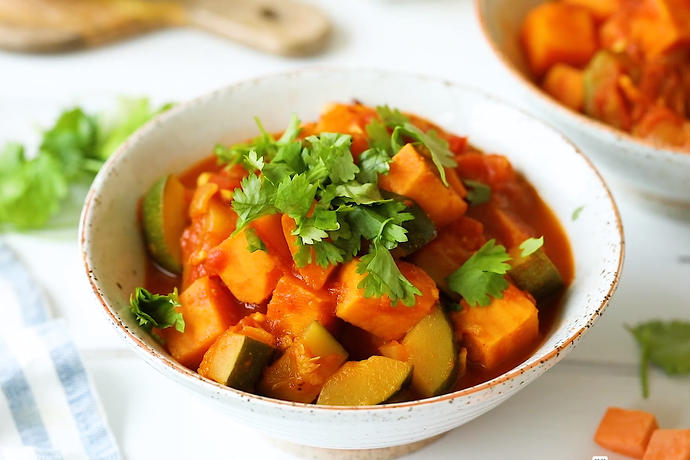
(623, 62)
(365, 258)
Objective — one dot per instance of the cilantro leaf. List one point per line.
(333, 150)
(295, 196)
(353, 191)
(292, 132)
(477, 192)
(373, 162)
(437, 147)
(254, 161)
(71, 141)
(254, 242)
(153, 310)
(379, 137)
(255, 198)
(327, 253)
(577, 212)
(382, 277)
(664, 344)
(481, 276)
(391, 117)
(30, 190)
(531, 245)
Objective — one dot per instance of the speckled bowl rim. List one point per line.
(150, 354)
(588, 122)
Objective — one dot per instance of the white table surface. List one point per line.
(554, 418)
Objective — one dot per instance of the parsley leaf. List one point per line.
(254, 242)
(334, 151)
(295, 196)
(71, 152)
(256, 198)
(477, 192)
(373, 162)
(481, 276)
(391, 117)
(382, 276)
(379, 137)
(664, 344)
(153, 310)
(531, 245)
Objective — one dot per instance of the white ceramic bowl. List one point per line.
(659, 173)
(113, 250)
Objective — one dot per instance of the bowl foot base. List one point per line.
(384, 453)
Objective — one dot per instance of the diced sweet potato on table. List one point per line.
(669, 445)
(626, 431)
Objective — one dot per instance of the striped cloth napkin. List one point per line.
(49, 410)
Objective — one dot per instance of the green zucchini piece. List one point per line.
(603, 99)
(300, 373)
(164, 219)
(432, 350)
(366, 383)
(420, 230)
(238, 361)
(535, 274)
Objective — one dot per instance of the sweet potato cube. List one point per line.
(626, 432)
(208, 310)
(556, 32)
(455, 243)
(504, 328)
(660, 26)
(376, 314)
(313, 274)
(502, 224)
(496, 171)
(566, 84)
(600, 9)
(669, 445)
(348, 119)
(250, 276)
(411, 175)
(295, 306)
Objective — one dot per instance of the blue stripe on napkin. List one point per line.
(70, 371)
(21, 400)
(33, 308)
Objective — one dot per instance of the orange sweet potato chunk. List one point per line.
(660, 26)
(376, 314)
(295, 306)
(556, 32)
(313, 274)
(600, 9)
(668, 445)
(208, 310)
(566, 84)
(348, 119)
(455, 243)
(626, 431)
(504, 328)
(411, 175)
(250, 276)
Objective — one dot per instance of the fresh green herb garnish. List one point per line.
(664, 344)
(437, 148)
(71, 152)
(335, 203)
(481, 276)
(254, 243)
(576, 213)
(477, 192)
(153, 310)
(531, 245)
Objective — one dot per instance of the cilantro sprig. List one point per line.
(664, 344)
(154, 310)
(34, 187)
(482, 276)
(335, 203)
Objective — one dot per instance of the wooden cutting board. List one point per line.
(276, 26)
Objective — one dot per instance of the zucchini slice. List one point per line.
(300, 373)
(164, 219)
(366, 383)
(432, 350)
(236, 360)
(535, 274)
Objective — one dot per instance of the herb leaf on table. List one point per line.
(664, 344)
